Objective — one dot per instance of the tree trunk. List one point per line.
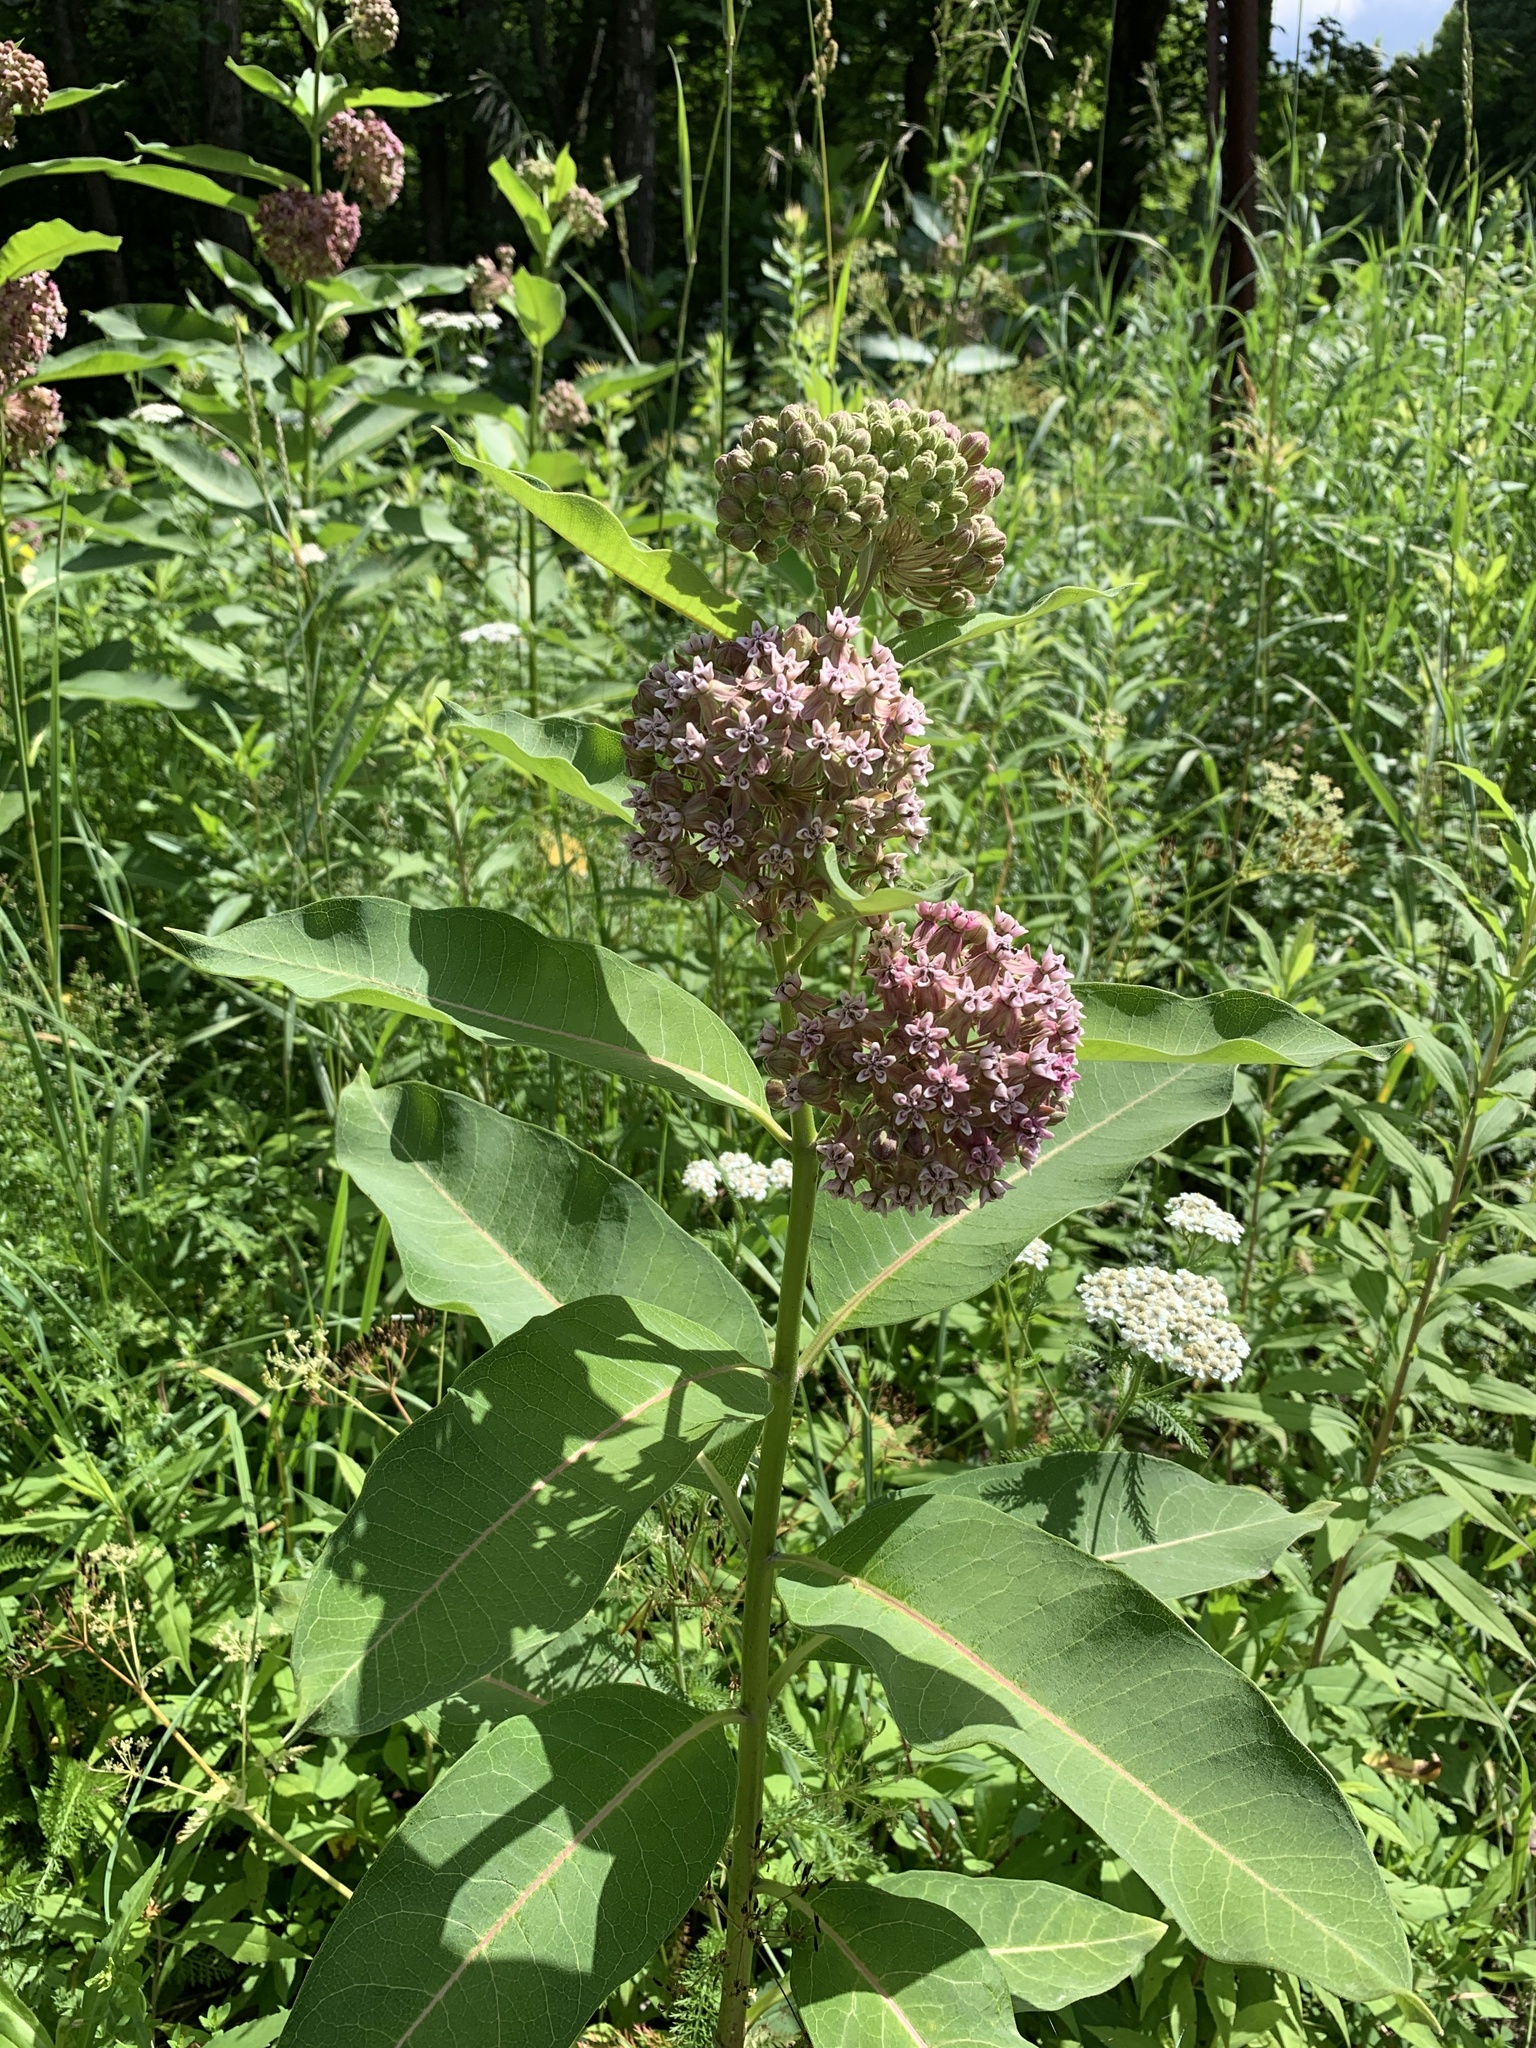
(634, 122)
(67, 46)
(1133, 45)
(916, 82)
(1240, 152)
(223, 106)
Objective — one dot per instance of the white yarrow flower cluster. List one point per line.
(1199, 1216)
(494, 633)
(748, 1179)
(459, 323)
(1036, 1255)
(157, 413)
(1178, 1319)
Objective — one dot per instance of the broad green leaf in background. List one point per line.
(983, 1628)
(507, 1505)
(938, 634)
(888, 1971)
(376, 287)
(540, 306)
(393, 96)
(507, 1221)
(537, 1874)
(1233, 1028)
(1053, 1946)
(573, 755)
(497, 978)
(1174, 1532)
(183, 184)
(885, 1269)
(219, 479)
(1476, 1606)
(524, 202)
(19, 2025)
(1500, 1470)
(660, 573)
(46, 244)
(233, 163)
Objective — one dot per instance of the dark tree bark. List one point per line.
(223, 105)
(1240, 151)
(634, 122)
(916, 83)
(433, 157)
(68, 51)
(1133, 45)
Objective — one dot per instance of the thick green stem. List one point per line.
(757, 1612)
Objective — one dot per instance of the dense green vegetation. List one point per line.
(278, 630)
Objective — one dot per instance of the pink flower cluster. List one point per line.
(374, 25)
(490, 277)
(34, 420)
(306, 235)
(565, 410)
(369, 155)
(752, 755)
(31, 318)
(958, 1064)
(23, 89)
(584, 211)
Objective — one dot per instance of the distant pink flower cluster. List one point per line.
(584, 211)
(956, 1066)
(23, 89)
(34, 420)
(369, 155)
(307, 235)
(565, 410)
(752, 755)
(490, 277)
(31, 319)
(374, 25)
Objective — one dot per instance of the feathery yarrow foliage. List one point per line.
(951, 1070)
(374, 25)
(34, 420)
(886, 497)
(31, 319)
(749, 756)
(23, 89)
(369, 155)
(306, 235)
(1178, 1319)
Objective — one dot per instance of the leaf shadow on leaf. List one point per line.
(499, 1516)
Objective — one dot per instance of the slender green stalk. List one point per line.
(756, 1698)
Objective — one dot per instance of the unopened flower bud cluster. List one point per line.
(307, 235)
(953, 1069)
(34, 420)
(369, 155)
(565, 410)
(748, 1179)
(31, 319)
(1199, 1216)
(906, 484)
(23, 89)
(1178, 1319)
(374, 25)
(751, 756)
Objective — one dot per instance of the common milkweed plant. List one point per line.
(943, 1094)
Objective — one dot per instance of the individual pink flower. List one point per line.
(953, 1067)
(306, 235)
(750, 756)
(31, 318)
(23, 89)
(34, 420)
(369, 155)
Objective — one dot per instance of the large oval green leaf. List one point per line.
(496, 978)
(1174, 1532)
(1230, 1029)
(537, 1875)
(506, 1221)
(983, 1628)
(887, 1971)
(573, 755)
(884, 1269)
(1052, 1945)
(507, 1506)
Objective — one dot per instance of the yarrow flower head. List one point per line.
(459, 323)
(31, 318)
(748, 1179)
(494, 633)
(894, 494)
(34, 420)
(701, 1179)
(565, 410)
(374, 25)
(749, 756)
(306, 235)
(1178, 1319)
(1199, 1216)
(157, 413)
(1036, 1255)
(953, 1068)
(369, 155)
(490, 277)
(23, 89)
